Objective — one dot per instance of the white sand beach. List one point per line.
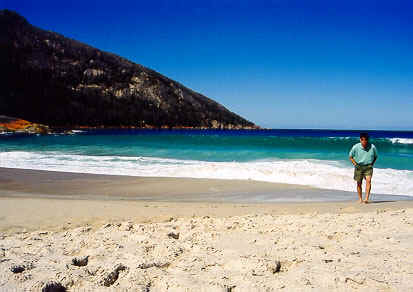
(141, 245)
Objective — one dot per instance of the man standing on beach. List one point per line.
(363, 155)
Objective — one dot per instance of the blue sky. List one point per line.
(280, 64)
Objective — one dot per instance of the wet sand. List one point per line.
(33, 199)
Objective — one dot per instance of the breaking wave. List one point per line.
(324, 174)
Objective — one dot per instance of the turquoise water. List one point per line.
(397, 155)
(311, 157)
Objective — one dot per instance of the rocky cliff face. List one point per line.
(50, 79)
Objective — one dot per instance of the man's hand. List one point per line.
(356, 165)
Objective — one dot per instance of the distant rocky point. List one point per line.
(16, 125)
(52, 80)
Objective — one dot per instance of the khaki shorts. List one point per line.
(362, 171)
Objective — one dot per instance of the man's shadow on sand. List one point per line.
(381, 201)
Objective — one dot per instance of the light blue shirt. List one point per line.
(363, 156)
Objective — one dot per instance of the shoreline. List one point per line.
(19, 182)
(36, 199)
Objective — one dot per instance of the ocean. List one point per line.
(317, 158)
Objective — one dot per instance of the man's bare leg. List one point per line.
(359, 190)
(368, 188)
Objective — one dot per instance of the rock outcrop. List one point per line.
(50, 79)
(16, 125)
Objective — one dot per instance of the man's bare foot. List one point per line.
(365, 201)
(361, 201)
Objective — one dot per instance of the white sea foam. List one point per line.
(342, 138)
(401, 140)
(317, 173)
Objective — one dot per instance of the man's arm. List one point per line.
(350, 156)
(353, 161)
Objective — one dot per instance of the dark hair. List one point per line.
(364, 135)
